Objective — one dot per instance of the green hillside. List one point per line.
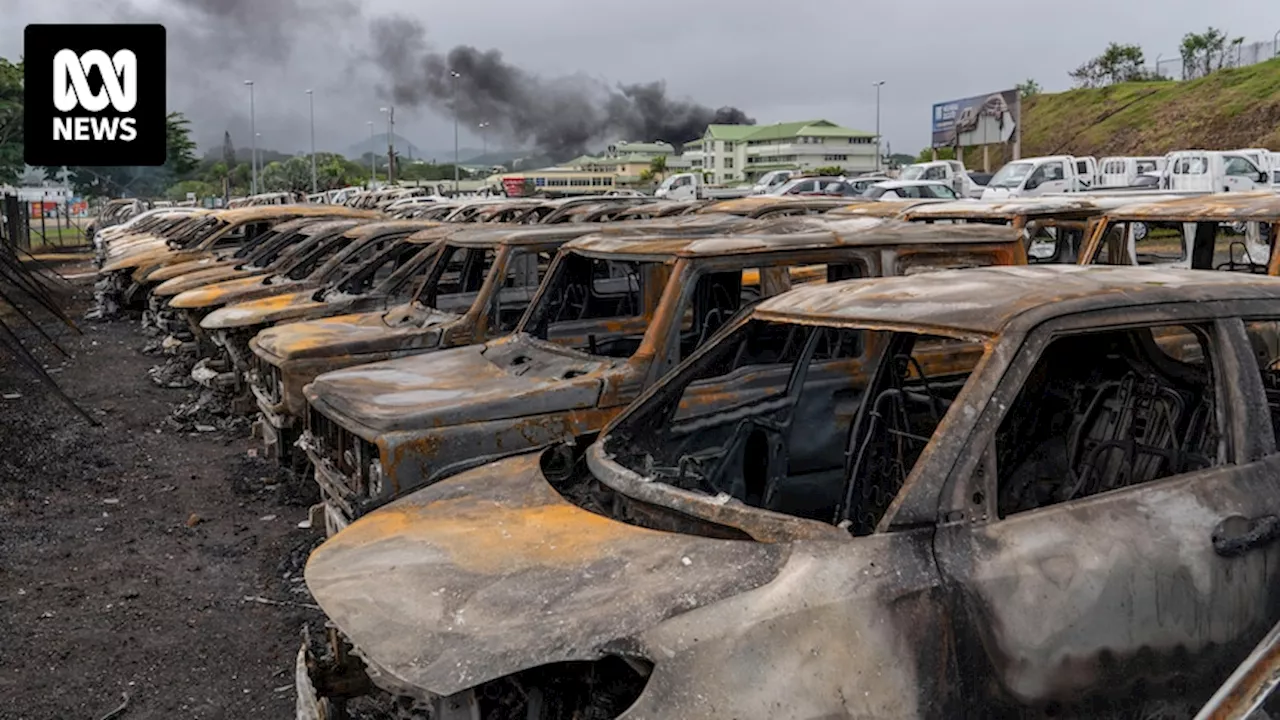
(1228, 109)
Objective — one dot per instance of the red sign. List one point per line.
(514, 187)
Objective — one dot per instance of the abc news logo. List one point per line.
(95, 95)
(71, 91)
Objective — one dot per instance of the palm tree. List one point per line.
(658, 167)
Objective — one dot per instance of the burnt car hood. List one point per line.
(169, 272)
(208, 276)
(263, 311)
(491, 571)
(144, 257)
(456, 386)
(370, 332)
(234, 291)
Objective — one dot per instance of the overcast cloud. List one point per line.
(775, 61)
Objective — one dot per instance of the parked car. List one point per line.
(910, 190)
(995, 492)
(817, 186)
(611, 317)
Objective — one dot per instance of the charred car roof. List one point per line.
(270, 212)
(986, 301)
(367, 230)
(1225, 207)
(792, 233)
(1082, 205)
(749, 206)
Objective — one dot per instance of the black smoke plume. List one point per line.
(562, 117)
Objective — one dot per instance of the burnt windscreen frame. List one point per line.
(456, 270)
(327, 245)
(762, 416)
(581, 287)
(373, 271)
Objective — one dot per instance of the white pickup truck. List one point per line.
(1124, 171)
(1214, 171)
(690, 186)
(951, 172)
(1032, 177)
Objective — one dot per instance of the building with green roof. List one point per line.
(737, 153)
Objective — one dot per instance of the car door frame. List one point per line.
(968, 496)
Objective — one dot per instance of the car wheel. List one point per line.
(1139, 231)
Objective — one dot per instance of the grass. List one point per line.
(55, 237)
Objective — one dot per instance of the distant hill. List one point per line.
(404, 146)
(1233, 108)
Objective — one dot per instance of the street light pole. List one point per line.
(253, 137)
(391, 148)
(258, 157)
(484, 137)
(877, 87)
(455, 75)
(311, 101)
(373, 168)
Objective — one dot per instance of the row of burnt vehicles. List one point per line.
(759, 458)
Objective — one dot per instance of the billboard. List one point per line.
(978, 120)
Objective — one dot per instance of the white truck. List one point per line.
(1124, 171)
(951, 172)
(1032, 177)
(1214, 171)
(690, 186)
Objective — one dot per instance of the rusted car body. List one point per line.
(383, 270)
(1002, 492)
(1190, 233)
(613, 315)
(764, 206)
(1249, 693)
(328, 246)
(478, 289)
(221, 234)
(660, 209)
(278, 248)
(160, 225)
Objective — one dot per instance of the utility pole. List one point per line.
(877, 87)
(455, 75)
(391, 147)
(253, 136)
(373, 156)
(311, 101)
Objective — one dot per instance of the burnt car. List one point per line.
(1191, 232)
(614, 314)
(477, 290)
(325, 246)
(389, 259)
(478, 287)
(1041, 491)
(218, 234)
(273, 252)
(766, 206)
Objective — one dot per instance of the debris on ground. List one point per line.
(206, 411)
(172, 373)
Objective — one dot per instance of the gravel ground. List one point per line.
(128, 549)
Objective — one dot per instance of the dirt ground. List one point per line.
(127, 550)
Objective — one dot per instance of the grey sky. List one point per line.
(777, 61)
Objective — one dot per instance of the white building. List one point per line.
(737, 153)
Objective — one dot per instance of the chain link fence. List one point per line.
(1235, 55)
